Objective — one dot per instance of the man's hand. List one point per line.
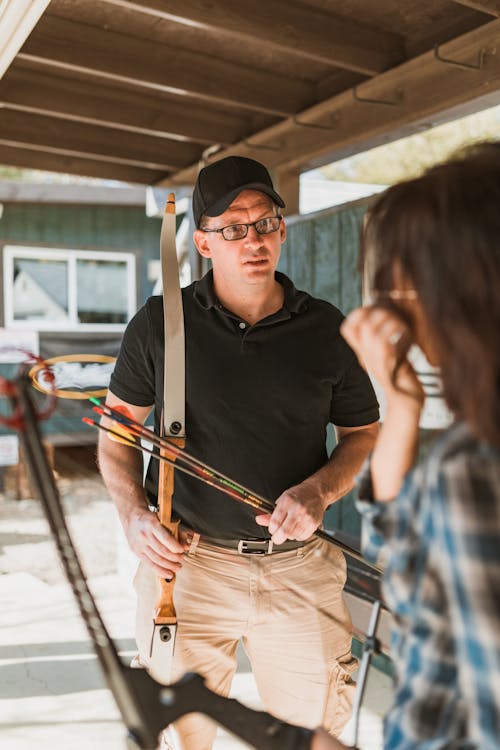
(300, 509)
(154, 544)
(298, 513)
(323, 741)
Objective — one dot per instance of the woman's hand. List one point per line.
(380, 338)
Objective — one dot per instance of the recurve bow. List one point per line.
(173, 429)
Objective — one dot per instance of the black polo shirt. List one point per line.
(258, 397)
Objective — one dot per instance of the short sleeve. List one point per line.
(354, 402)
(133, 376)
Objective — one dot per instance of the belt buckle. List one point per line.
(255, 546)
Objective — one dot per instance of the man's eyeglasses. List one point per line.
(240, 231)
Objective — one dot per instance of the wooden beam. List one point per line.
(67, 45)
(99, 144)
(287, 183)
(18, 18)
(461, 24)
(337, 82)
(415, 95)
(491, 7)
(39, 93)
(19, 155)
(285, 27)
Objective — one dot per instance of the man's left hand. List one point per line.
(298, 513)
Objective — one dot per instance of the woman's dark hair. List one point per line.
(442, 230)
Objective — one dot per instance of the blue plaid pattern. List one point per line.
(439, 541)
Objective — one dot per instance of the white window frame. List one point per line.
(11, 252)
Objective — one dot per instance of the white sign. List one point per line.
(9, 450)
(17, 346)
(435, 414)
(76, 375)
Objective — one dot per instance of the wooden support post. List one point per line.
(286, 183)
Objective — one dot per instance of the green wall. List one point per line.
(122, 228)
(321, 255)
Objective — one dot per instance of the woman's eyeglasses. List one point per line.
(395, 294)
(239, 231)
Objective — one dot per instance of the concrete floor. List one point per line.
(51, 690)
(52, 694)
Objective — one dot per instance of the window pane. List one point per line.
(40, 290)
(102, 291)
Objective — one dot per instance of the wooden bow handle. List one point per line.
(165, 610)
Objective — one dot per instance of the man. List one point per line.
(266, 371)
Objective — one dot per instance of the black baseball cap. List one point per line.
(219, 183)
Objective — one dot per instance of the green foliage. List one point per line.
(410, 156)
(12, 173)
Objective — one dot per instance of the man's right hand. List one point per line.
(154, 544)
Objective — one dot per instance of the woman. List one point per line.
(432, 249)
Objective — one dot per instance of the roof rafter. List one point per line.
(394, 104)
(308, 32)
(36, 92)
(88, 141)
(22, 155)
(63, 44)
(491, 7)
(17, 20)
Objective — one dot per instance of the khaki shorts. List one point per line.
(289, 612)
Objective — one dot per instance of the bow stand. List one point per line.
(145, 706)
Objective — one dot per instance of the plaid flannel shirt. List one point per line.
(441, 543)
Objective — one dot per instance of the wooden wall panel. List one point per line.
(124, 228)
(321, 256)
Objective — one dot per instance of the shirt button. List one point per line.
(242, 325)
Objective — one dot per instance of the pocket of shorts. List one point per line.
(340, 699)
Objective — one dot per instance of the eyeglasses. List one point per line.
(396, 294)
(240, 231)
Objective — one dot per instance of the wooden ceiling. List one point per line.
(144, 91)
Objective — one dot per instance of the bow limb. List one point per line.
(174, 389)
